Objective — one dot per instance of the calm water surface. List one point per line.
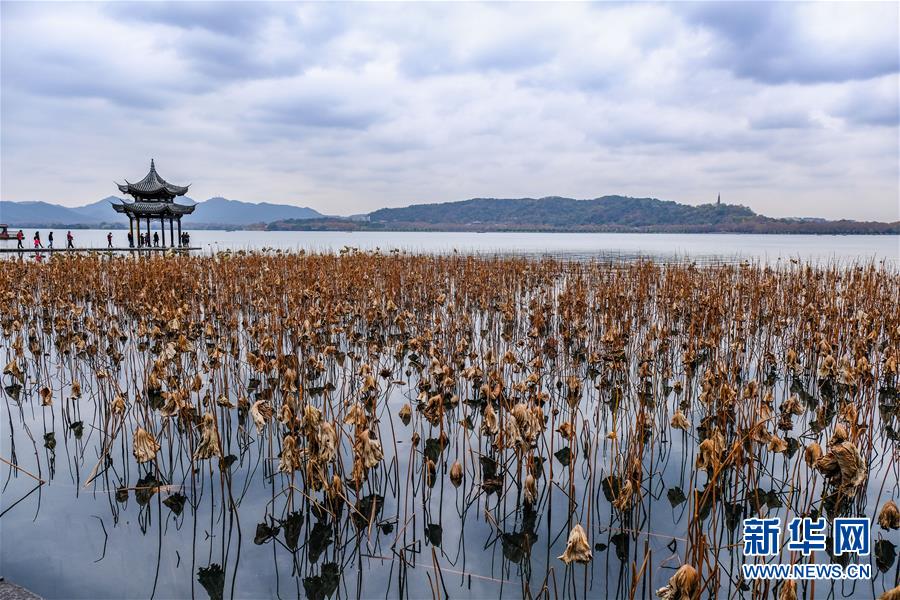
(69, 538)
(701, 247)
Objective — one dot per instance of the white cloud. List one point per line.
(790, 109)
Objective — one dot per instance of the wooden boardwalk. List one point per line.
(116, 249)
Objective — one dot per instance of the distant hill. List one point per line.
(234, 212)
(213, 212)
(564, 212)
(607, 213)
(21, 214)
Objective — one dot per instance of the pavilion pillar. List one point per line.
(162, 227)
(131, 229)
(171, 232)
(179, 232)
(149, 241)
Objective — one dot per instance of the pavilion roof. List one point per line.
(153, 187)
(154, 209)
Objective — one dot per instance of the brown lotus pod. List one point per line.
(679, 421)
(12, 368)
(528, 422)
(511, 434)
(791, 360)
(840, 435)
(573, 391)
(623, 499)
(356, 415)
(812, 453)
(489, 422)
(209, 439)
(76, 389)
(312, 418)
(369, 384)
(577, 549)
(843, 466)
(848, 375)
(752, 389)
(683, 585)
(434, 409)
(46, 396)
(327, 442)
(788, 590)
(416, 438)
(144, 446)
(118, 404)
(776, 444)
(336, 489)
(456, 474)
(890, 365)
(286, 415)
(828, 368)
(792, 406)
(405, 413)
(261, 412)
(530, 489)
(566, 430)
(316, 476)
(291, 455)
(889, 517)
(709, 457)
(368, 449)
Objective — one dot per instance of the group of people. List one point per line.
(144, 240)
(20, 238)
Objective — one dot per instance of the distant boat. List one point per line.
(4, 232)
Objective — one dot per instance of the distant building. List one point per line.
(154, 199)
(719, 200)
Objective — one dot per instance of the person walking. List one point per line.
(156, 239)
(109, 240)
(130, 240)
(69, 240)
(20, 237)
(37, 240)
(50, 240)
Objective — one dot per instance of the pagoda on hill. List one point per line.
(154, 199)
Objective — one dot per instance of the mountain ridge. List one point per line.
(229, 213)
(611, 213)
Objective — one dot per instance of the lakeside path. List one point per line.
(125, 249)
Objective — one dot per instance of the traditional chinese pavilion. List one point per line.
(154, 199)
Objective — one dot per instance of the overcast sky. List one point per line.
(791, 109)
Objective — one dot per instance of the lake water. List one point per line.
(183, 527)
(700, 247)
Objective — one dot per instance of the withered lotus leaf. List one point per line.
(144, 445)
(577, 549)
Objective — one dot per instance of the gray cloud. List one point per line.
(775, 42)
(788, 108)
(237, 19)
